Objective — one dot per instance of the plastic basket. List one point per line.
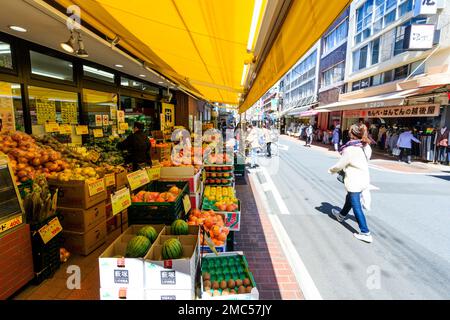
(158, 212)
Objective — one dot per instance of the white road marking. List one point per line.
(304, 279)
(271, 186)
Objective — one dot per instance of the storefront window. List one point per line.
(138, 85)
(11, 111)
(53, 106)
(5, 55)
(100, 110)
(140, 110)
(47, 66)
(98, 74)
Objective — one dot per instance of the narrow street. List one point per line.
(409, 258)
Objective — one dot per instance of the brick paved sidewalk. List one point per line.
(258, 241)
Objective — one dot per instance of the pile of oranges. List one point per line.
(213, 223)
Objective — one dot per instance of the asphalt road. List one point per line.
(410, 219)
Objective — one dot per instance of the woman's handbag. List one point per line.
(341, 176)
(396, 151)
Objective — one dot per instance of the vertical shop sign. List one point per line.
(120, 116)
(6, 108)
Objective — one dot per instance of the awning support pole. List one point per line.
(425, 60)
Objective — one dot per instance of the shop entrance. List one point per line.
(141, 110)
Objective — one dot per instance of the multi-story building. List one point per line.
(398, 66)
(299, 87)
(332, 68)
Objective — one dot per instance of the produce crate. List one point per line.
(46, 260)
(158, 212)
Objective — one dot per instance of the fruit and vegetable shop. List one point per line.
(68, 195)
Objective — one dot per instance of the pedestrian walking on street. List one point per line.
(336, 137)
(253, 140)
(309, 135)
(267, 139)
(405, 144)
(354, 166)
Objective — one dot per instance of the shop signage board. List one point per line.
(105, 120)
(69, 112)
(95, 187)
(81, 130)
(98, 120)
(65, 129)
(51, 127)
(120, 200)
(425, 7)
(110, 179)
(425, 110)
(45, 111)
(419, 37)
(138, 179)
(98, 133)
(50, 230)
(7, 225)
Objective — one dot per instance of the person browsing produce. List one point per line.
(138, 147)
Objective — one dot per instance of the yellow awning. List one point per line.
(202, 44)
(304, 25)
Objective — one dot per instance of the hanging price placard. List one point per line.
(98, 133)
(105, 120)
(138, 179)
(120, 116)
(120, 200)
(110, 179)
(50, 230)
(154, 173)
(123, 126)
(65, 129)
(80, 130)
(51, 127)
(96, 187)
(98, 120)
(187, 204)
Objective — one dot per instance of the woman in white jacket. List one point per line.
(354, 162)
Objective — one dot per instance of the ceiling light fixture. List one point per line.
(160, 82)
(118, 65)
(255, 19)
(17, 28)
(142, 75)
(81, 52)
(244, 75)
(69, 46)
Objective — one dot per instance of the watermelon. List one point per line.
(137, 247)
(149, 232)
(179, 227)
(172, 249)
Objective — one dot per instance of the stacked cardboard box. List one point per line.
(83, 209)
(150, 278)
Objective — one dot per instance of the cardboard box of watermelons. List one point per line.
(118, 271)
(175, 274)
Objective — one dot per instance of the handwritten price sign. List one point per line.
(96, 187)
(154, 173)
(110, 179)
(81, 130)
(120, 200)
(138, 179)
(50, 230)
(14, 222)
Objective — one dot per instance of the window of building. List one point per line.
(363, 57)
(375, 48)
(389, 18)
(5, 55)
(333, 75)
(356, 85)
(387, 76)
(400, 73)
(400, 34)
(405, 7)
(365, 83)
(51, 67)
(419, 65)
(377, 79)
(53, 106)
(336, 37)
(98, 74)
(11, 110)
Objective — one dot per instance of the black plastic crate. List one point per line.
(46, 257)
(158, 212)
